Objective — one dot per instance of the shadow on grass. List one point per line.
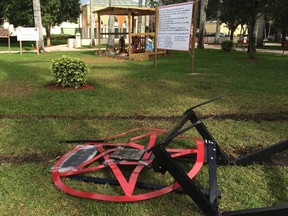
(277, 183)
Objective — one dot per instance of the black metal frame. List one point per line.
(206, 199)
(208, 203)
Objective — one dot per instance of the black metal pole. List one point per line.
(190, 188)
(262, 154)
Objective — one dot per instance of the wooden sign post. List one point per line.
(4, 33)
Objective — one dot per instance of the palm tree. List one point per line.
(111, 37)
(92, 23)
(140, 4)
(260, 31)
(203, 6)
(38, 23)
(147, 17)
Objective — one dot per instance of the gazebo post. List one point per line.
(132, 21)
(9, 43)
(99, 39)
(156, 37)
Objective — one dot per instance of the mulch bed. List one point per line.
(60, 88)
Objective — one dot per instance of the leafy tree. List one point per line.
(213, 13)
(20, 13)
(212, 9)
(153, 3)
(54, 12)
(235, 12)
(251, 11)
(231, 14)
(2, 10)
(279, 11)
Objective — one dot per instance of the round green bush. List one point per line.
(69, 72)
(228, 46)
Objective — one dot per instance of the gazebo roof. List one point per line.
(135, 11)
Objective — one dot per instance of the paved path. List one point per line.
(57, 48)
(65, 47)
(209, 46)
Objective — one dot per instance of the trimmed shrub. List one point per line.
(69, 72)
(228, 46)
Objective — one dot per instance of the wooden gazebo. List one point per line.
(131, 12)
(4, 33)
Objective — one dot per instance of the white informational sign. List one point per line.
(28, 34)
(174, 26)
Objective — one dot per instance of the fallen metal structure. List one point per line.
(88, 161)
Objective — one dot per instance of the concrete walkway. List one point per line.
(58, 48)
(211, 46)
(65, 47)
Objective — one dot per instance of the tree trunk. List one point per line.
(111, 37)
(218, 24)
(48, 35)
(38, 23)
(92, 24)
(232, 34)
(251, 38)
(260, 31)
(203, 7)
(146, 17)
(139, 26)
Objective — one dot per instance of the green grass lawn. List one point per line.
(131, 94)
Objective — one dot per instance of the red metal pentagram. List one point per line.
(128, 186)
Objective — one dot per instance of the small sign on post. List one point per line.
(4, 33)
(28, 34)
